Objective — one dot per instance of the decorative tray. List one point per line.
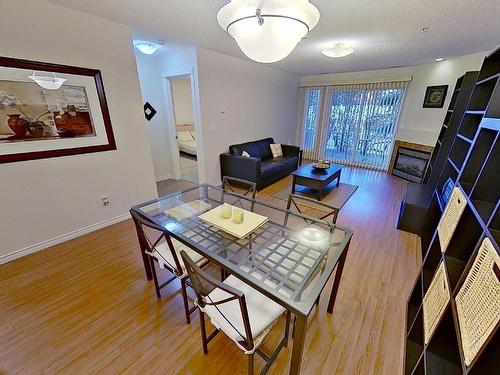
(251, 221)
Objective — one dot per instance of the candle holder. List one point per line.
(238, 215)
(226, 211)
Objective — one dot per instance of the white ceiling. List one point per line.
(385, 33)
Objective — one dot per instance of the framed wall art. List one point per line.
(435, 96)
(50, 110)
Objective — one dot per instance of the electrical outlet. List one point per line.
(105, 201)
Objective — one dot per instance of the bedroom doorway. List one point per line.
(183, 119)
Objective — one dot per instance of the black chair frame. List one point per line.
(231, 183)
(203, 299)
(148, 246)
(333, 211)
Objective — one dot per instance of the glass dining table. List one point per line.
(289, 258)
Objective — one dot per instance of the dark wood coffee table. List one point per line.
(319, 180)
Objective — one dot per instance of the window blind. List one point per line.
(351, 124)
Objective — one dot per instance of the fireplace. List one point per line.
(411, 164)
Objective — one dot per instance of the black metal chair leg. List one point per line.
(203, 332)
(185, 298)
(155, 277)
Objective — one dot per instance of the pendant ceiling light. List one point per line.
(267, 31)
(48, 82)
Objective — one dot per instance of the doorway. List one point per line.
(184, 129)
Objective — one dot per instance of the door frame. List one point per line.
(171, 123)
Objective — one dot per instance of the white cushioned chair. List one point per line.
(244, 314)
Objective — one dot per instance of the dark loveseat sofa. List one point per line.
(260, 167)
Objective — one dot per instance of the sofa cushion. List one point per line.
(276, 150)
(288, 162)
(258, 149)
(269, 168)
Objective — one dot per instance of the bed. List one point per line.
(186, 139)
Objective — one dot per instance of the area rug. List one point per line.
(336, 197)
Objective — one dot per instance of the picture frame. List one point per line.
(37, 122)
(435, 96)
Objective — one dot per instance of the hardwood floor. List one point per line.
(85, 307)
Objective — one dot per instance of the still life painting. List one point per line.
(51, 110)
(36, 113)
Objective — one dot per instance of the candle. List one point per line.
(226, 211)
(238, 215)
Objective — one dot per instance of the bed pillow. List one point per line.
(245, 154)
(276, 150)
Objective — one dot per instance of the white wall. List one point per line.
(242, 101)
(152, 91)
(183, 100)
(258, 101)
(45, 199)
(416, 124)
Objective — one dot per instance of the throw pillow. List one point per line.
(245, 154)
(276, 150)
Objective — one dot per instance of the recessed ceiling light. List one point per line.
(424, 29)
(338, 51)
(439, 59)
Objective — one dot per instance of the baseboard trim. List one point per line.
(62, 238)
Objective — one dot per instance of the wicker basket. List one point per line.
(451, 216)
(478, 301)
(435, 302)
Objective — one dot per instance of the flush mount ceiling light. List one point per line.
(47, 82)
(267, 31)
(338, 51)
(439, 59)
(148, 48)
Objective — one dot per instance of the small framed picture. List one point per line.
(435, 96)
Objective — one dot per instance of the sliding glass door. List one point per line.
(353, 124)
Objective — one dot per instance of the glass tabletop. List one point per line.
(289, 257)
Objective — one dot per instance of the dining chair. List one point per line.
(324, 210)
(232, 184)
(244, 314)
(320, 210)
(164, 250)
(235, 185)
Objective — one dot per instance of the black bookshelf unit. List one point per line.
(418, 197)
(473, 165)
